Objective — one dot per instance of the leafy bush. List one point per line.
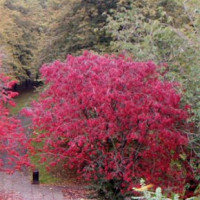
(150, 30)
(12, 138)
(157, 195)
(114, 121)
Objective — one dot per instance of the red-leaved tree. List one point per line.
(113, 120)
(13, 151)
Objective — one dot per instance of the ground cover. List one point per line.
(23, 100)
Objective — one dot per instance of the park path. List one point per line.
(18, 186)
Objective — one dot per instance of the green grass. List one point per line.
(45, 176)
(23, 100)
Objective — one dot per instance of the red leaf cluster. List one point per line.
(12, 138)
(114, 119)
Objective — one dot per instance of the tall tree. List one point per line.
(21, 35)
(150, 30)
(78, 25)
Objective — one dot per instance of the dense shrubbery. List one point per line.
(12, 138)
(114, 121)
(151, 30)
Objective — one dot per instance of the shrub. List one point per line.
(151, 30)
(157, 195)
(12, 138)
(114, 121)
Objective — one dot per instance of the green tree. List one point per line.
(150, 30)
(77, 25)
(21, 36)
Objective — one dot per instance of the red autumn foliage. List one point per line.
(12, 138)
(112, 119)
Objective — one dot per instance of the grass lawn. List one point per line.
(23, 100)
(45, 176)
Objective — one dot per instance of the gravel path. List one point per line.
(18, 186)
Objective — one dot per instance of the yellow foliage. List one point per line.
(143, 188)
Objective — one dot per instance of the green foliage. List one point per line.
(150, 30)
(157, 195)
(22, 35)
(39, 31)
(77, 25)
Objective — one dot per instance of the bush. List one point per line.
(13, 152)
(114, 121)
(151, 30)
(157, 195)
